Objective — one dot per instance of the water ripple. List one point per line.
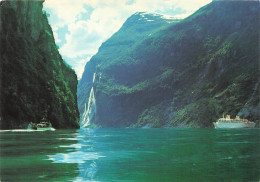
(74, 157)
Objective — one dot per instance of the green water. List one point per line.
(131, 155)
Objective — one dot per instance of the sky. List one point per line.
(81, 26)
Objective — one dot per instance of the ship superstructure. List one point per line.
(228, 122)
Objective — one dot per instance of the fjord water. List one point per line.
(131, 155)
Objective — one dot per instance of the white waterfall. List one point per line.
(89, 113)
(94, 77)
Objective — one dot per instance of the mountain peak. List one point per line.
(150, 17)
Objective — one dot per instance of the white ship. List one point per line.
(227, 122)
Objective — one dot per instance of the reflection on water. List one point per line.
(83, 154)
(131, 155)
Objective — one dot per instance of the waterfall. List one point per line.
(94, 77)
(89, 113)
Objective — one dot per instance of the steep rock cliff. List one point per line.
(36, 83)
(186, 74)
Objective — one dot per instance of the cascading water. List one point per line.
(90, 112)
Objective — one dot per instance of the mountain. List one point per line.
(136, 29)
(182, 74)
(36, 83)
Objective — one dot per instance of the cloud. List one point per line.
(55, 34)
(66, 11)
(82, 39)
(79, 68)
(91, 22)
(85, 37)
(191, 5)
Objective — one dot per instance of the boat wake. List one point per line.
(25, 130)
(20, 130)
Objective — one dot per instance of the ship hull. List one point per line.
(233, 125)
(46, 129)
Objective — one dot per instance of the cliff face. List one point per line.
(185, 74)
(35, 82)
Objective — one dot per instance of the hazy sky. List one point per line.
(80, 26)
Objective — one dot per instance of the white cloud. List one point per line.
(81, 40)
(79, 68)
(191, 5)
(66, 10)
(85, 37)
(55, 34)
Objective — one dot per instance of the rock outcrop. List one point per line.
(35, 81)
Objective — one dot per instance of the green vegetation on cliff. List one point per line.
(184, 74)
(35, 82)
